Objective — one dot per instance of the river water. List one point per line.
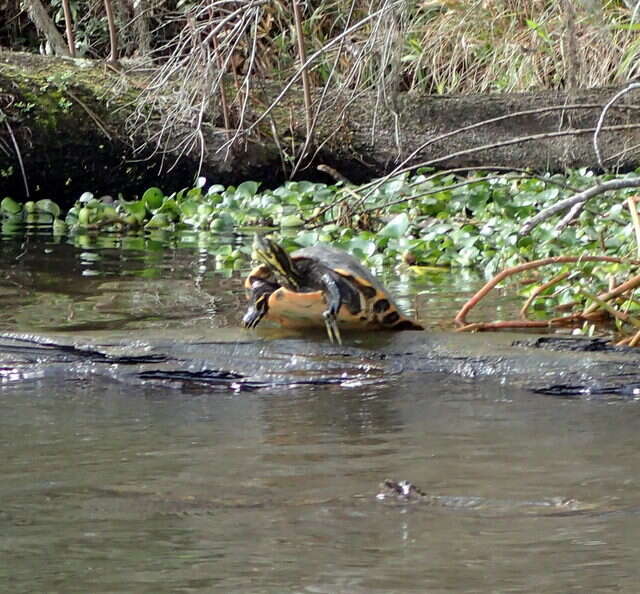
(108, 487)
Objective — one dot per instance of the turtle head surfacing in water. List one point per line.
(315, 286)
(404, 491)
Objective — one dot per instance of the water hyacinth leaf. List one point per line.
(201, 182)
(14, 218)
(222, 223)
(194, 194)
(478, 198)
(136, 208)
(189, 208)
(254, 213)
(72, 216)
(29, 206)
(307, 238)
(393, 186)
(10, 206)
(131, 221)
(366, 247)
(291, 221)
(152, 198)
(205, 211)
(616, 209)
(170, 208)
(38, 218)
(548, 195)
(11, 227)
(376, 261)
(84, 216)
(59, 227)
(305, 187)
(85, 197)
(215, 189)
(230, 203)
(109, 213)
(48, 206)
(159, 221)
(396, 227)
(247, 189)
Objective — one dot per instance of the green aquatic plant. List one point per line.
(44, 212)
(428, 219)
(476, 220)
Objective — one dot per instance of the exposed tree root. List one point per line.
(603, 308)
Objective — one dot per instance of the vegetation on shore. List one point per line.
(430, 219)
(209, 66)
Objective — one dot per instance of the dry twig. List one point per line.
(541, 288)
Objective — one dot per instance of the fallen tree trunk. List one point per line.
(64, 132)
(562, 366)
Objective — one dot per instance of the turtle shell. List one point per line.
(367, 304)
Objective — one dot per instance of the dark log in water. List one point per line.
(570, 368)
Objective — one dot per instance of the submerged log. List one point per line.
(65, 131)
(231, 359)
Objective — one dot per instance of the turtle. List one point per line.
(315, 286)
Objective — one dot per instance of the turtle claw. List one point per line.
(252, 318)
(332, 327)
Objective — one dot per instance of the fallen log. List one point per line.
(65, 130)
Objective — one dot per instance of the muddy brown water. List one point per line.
(109, 486)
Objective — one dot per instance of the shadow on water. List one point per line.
(150, 445)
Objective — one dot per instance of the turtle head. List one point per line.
(260, 285)
(277, 259)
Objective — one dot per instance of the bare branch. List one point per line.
(573, 213)
(16, 148)
(543, 215)
(113, 34)
(68, 24)
(302, 54)
(619, 94)
(461, 317)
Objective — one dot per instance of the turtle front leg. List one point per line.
(333, 297)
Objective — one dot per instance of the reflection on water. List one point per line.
(163, 281)
(112, 488)
(107, 491)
